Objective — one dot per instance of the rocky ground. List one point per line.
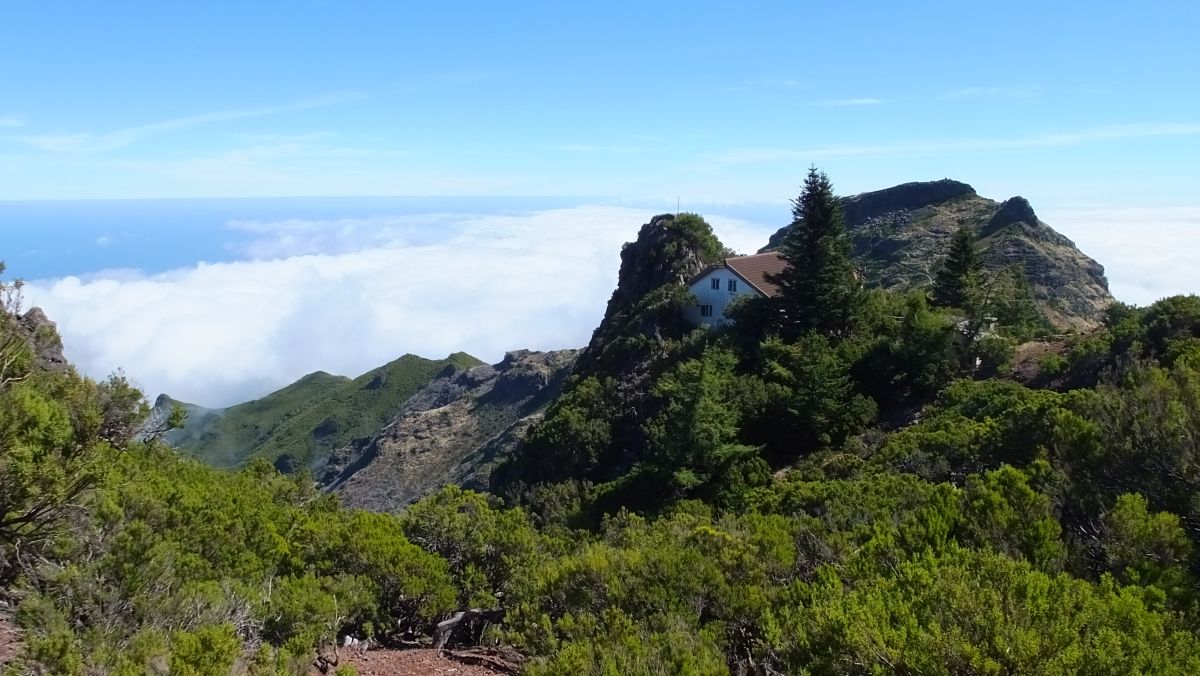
(419, 662)
(1027, 359)
(10, 639)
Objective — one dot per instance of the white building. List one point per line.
(717, 285)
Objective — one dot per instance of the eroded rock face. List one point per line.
(900, 236)
(43, 338)
(659, 256)
(453, 431)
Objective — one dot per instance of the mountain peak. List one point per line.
(903, 197)
(900, 235)
(1013, 210)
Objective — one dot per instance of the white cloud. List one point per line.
(761, 83)
(11, 122)
(837, 103)
(345, 296)
(954, 146)
(1147, 253)
(589, 148)
(87, 142)
(1010, 92)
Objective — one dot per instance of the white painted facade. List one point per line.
(714, 291)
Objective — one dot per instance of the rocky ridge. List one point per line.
(43, 338)
(900, 235)
(453, 431)
(642, 323)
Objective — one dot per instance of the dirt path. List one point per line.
(419, 662)
(10, 640)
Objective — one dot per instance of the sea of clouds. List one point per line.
(345, 296)
(1147, 253)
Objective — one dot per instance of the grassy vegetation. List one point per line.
(303, 422)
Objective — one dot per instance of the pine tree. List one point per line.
(960, 273)
(819, 290)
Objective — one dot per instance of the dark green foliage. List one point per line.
(693, 441)
(960, 274)
(910, 360)
(1146, 440)
(487, 548)
(976, 612)
(56, 430)
(1166, 333)
(809, 400)
(1001, 510)
(1147, 549)
(178, 550)
(208, 651)
(819, 290)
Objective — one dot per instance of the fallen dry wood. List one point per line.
(503, 659)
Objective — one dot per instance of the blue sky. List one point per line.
(1068, 103)
(508, 150)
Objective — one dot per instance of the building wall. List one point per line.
(719, 299)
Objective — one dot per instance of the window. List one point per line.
(733, 285)
(716, 284)
(705, 310)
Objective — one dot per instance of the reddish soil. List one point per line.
(10, 640)
(417, 662)
(1025, 363)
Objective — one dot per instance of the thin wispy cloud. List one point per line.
(1010, 92)
(950, 147)
(287, 138)
(837, 103)
(589, 148)
(11, 122)
(88, 142)
(763, 83)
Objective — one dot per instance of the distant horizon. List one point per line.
(220, 195)
(218, 301)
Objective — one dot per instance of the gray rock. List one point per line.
(453, 431)
(900, 236)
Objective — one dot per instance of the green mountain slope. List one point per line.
(299, 425)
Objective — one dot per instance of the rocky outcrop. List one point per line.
(900, 236)
(453, 431)
(42, 335)
(644, 308)
(643, 324)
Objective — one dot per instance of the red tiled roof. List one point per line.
(754, 269)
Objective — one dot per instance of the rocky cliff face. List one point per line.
(644, 308)
(900, 236)
(44, 341)
(453, 431)
(642, 324)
